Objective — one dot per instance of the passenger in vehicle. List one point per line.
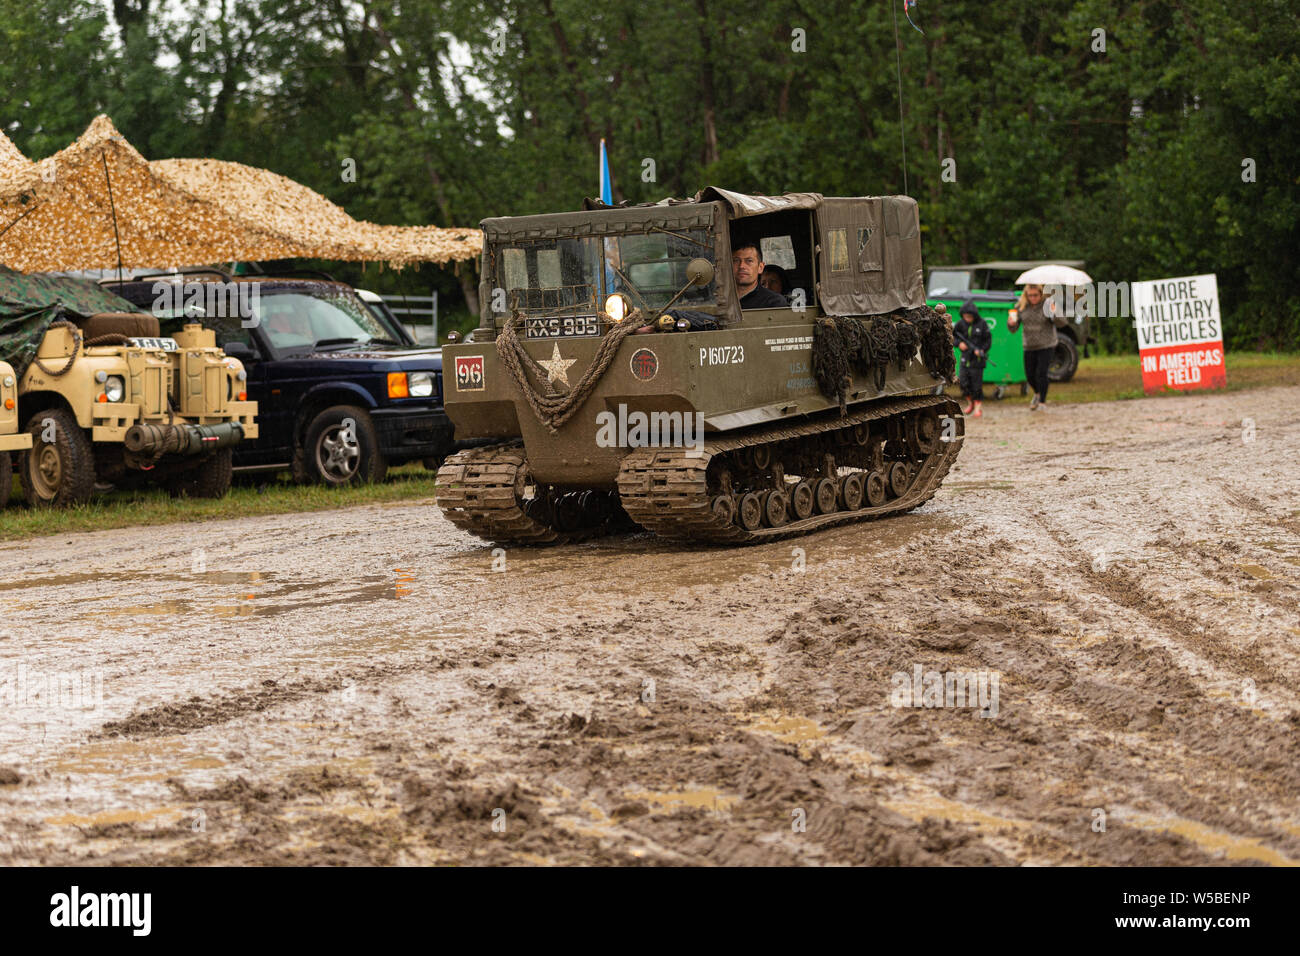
(773, 278)
(747, 267)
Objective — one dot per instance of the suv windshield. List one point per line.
(299, 320)
(948, 283)
(573, 276)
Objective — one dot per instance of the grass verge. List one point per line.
(1108, 378)
(251, 496)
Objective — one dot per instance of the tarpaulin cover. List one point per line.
(28, 304)
(98, 203)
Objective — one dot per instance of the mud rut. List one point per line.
(363, 687)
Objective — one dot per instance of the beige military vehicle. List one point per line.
(11, 439)
(625, 381)
(105, 399)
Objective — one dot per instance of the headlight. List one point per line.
(114, 388)
(420, 383)
(9, 381)
(616, 307)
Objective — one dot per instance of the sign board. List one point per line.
(1180, 334)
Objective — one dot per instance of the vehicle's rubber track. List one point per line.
(665, 490)
(481, 490)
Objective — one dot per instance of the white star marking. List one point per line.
(557, 369)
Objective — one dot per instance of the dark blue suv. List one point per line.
(341, 392)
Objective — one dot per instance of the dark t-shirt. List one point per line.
(763, 298)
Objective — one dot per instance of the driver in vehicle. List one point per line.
(285, 327)
(747, 267)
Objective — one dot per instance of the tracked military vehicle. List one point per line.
(103, 397)
(625, 384)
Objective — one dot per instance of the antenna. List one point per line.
(898, 66)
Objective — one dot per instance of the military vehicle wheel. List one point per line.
(776, 509)
(802, 500)
(826, 495)
(750, 513)
(899, 478)
(210, 479)
(923, 432)
(1065, 360)
(6, 477)
(724, 506)
(876, 491)
(334, 454)
(59, 472)
(852, 490)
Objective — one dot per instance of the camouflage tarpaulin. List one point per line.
(58, 214)
(28, 304)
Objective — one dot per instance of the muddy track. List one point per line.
(376, 686)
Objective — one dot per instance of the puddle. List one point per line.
(789, 728)
(109, 817)
(1214, 841)
(1258, 571)
(932, 805)
(705, 798)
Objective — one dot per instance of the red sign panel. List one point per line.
(469, 373)
(1180, 334)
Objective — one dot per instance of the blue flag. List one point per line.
(606, 189)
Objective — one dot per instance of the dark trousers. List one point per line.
(1036, 363)
(971, 381)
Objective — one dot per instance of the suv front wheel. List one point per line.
(59, 468)
(340, 447)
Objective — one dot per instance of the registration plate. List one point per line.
(166, 345)
(557, 327)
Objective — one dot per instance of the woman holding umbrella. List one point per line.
(1041, 317)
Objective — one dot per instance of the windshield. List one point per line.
(948, 283)
(574, 276)
(297, 320)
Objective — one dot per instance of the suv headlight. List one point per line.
(114, 388)
(421, 384)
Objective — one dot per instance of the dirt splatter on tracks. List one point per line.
(363, 686)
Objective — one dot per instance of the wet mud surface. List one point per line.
(373, 686)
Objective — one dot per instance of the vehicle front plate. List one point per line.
(555, 327)
(167, 345)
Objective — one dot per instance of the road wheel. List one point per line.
(333, 453)
(802, 500)
(900, 477)
(1065, 360)
(6, 477)
(750, 513)
(210, 479)
(876, 489)
(852, 490)
(61, 472)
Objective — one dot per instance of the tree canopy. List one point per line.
(1151, 139)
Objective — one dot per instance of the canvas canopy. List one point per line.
(58, 214)
(870, 246)
(28, 304)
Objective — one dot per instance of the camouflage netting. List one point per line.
(30, 304)
(866, 345)
(58, 214)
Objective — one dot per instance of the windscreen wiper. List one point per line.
(338, 341)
